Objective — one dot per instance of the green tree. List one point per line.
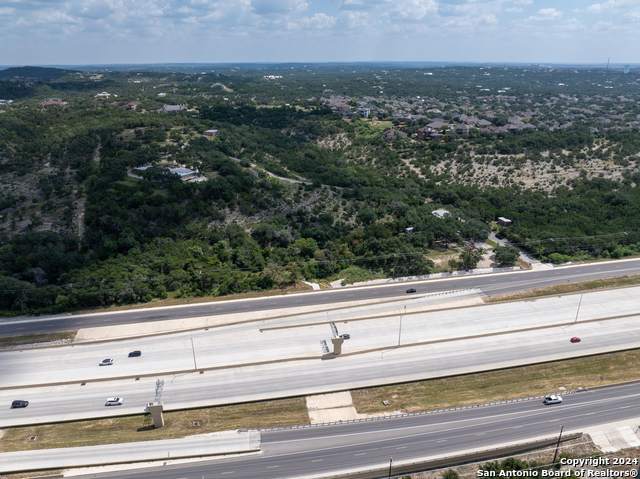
(506, 255)
(469, 258)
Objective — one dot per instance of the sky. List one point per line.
(82, 32)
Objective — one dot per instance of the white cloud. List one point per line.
(546, 15)
(262, 7)
(617, 6)
(523, 2)
(319, 21)
(360, 4)
(513, 10)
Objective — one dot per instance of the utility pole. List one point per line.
(557, 445)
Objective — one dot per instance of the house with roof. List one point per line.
(462, 129)
(210, 133)
(438, 125)
(393, 134)
(104, 94)
(424, 133)
(171, 108)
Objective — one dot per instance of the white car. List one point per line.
(553, 399)
(106, 362)
(114, 402)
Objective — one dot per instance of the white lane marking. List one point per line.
(230, 472)
(403, 447)
(444, 440)
(271, 467)
(458, 424)
(317, 460)
(481, 434)
(360, 454)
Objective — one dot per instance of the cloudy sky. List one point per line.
(38, 32)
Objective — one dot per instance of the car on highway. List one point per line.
(106, 362)
(135, 354)
(575, 339)
(345, 336)
(114, 401)
(411, 290)
(552, 399)
(17, 404)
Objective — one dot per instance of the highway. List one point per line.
(300, 336)
(300, 378)
(326, 450)
(488, 284)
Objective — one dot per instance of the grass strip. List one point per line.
(500, 385)
(281, 412)
(22, 339)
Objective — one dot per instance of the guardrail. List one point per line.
(411, 414)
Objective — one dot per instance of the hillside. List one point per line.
(33, 73)
(299, 183)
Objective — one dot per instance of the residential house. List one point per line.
(438, 125)
(132, 106)
(210, 133)
(462, 129)
(171, 108)
(364, 112)
(104, 94)
(251, 172)
(347, 114)
(162, 95)
(502, 221)
(393, 134)
(424, 133)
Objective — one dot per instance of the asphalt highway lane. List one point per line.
(300, 378)
(488, 284)
(290, 338)
(329, 450)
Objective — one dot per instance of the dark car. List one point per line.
(411, 290)
(135, 354)
(575, 339)
(499, 236)
(16, 404)
(345, 336)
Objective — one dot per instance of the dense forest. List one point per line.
(80, 228)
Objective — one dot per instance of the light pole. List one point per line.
(400, 328)
(390, 464)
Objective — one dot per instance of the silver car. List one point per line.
(552, 399)
(114, 402)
